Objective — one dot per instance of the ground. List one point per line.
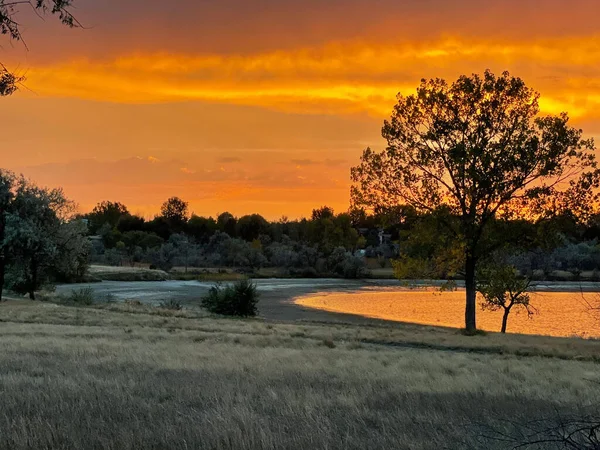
(134, 376)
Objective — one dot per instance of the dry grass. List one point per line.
(133, 377)
(124, 273)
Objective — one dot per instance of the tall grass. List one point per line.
(87, 378)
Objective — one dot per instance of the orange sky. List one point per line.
(263, 105)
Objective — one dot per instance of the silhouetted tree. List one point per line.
(130, 222)
(478, 147)
(252, 226)
(106, 212)
(9, 25)
(201, 228)
(324, 212)
(175, 212)
(227, 223)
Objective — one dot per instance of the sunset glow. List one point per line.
(265, 109)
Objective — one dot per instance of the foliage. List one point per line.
(175, 211)
(502, 288)
(7, 186)
(251, 227)
(345, 264)
(164, 256)
(479, 148)
(201, 228)
(238, 299)
(9, 25)
(73, 252)
(33, 233)
(83, 296)
(106, 214)
(227, 223)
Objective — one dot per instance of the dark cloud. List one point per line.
(245, 26)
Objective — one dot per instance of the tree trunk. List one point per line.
(2, 270)
(505, 320)
(471, 288)
(34, 277)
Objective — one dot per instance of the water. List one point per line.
(559, 313)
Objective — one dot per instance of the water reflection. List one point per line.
(559, 313)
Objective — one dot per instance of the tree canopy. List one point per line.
(479, 149)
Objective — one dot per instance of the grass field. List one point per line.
(135, 377)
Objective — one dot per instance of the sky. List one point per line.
(262, 105)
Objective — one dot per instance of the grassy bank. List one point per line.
(123, 273)
(130, 376)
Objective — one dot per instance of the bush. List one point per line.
(345, 264)
(83, 296)
(238, 299)
(173, 305)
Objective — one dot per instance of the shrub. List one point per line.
(345, 264)
(171, 304)
(83, 296)
(238, 299)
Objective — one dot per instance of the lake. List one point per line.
(559, 313)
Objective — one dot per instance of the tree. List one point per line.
(252, 226)
(324, 212)
(73, 249)
(32, 234)
(7, 183)
(227, 223)
(201, 228)
(9, 82)
(502, 288)
(175, 211)
(130, 222)
(479, 148)
(136, 242)
(106, 213)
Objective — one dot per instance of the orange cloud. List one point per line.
(333, 79)
(264, 109)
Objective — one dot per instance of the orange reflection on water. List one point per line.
(559, 313)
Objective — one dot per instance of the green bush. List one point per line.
(83, 296)
(237, 299)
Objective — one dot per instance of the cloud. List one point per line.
(337, 78)
(144, 183)
(325, 162)
(229, 159)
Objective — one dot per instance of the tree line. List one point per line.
(325, 243)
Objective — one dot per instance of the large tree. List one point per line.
(479, 149)
(10, 26)
(33, 234)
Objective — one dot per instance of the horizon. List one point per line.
(269, 116)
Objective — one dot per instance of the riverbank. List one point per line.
(286, 299)
(164, 379)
